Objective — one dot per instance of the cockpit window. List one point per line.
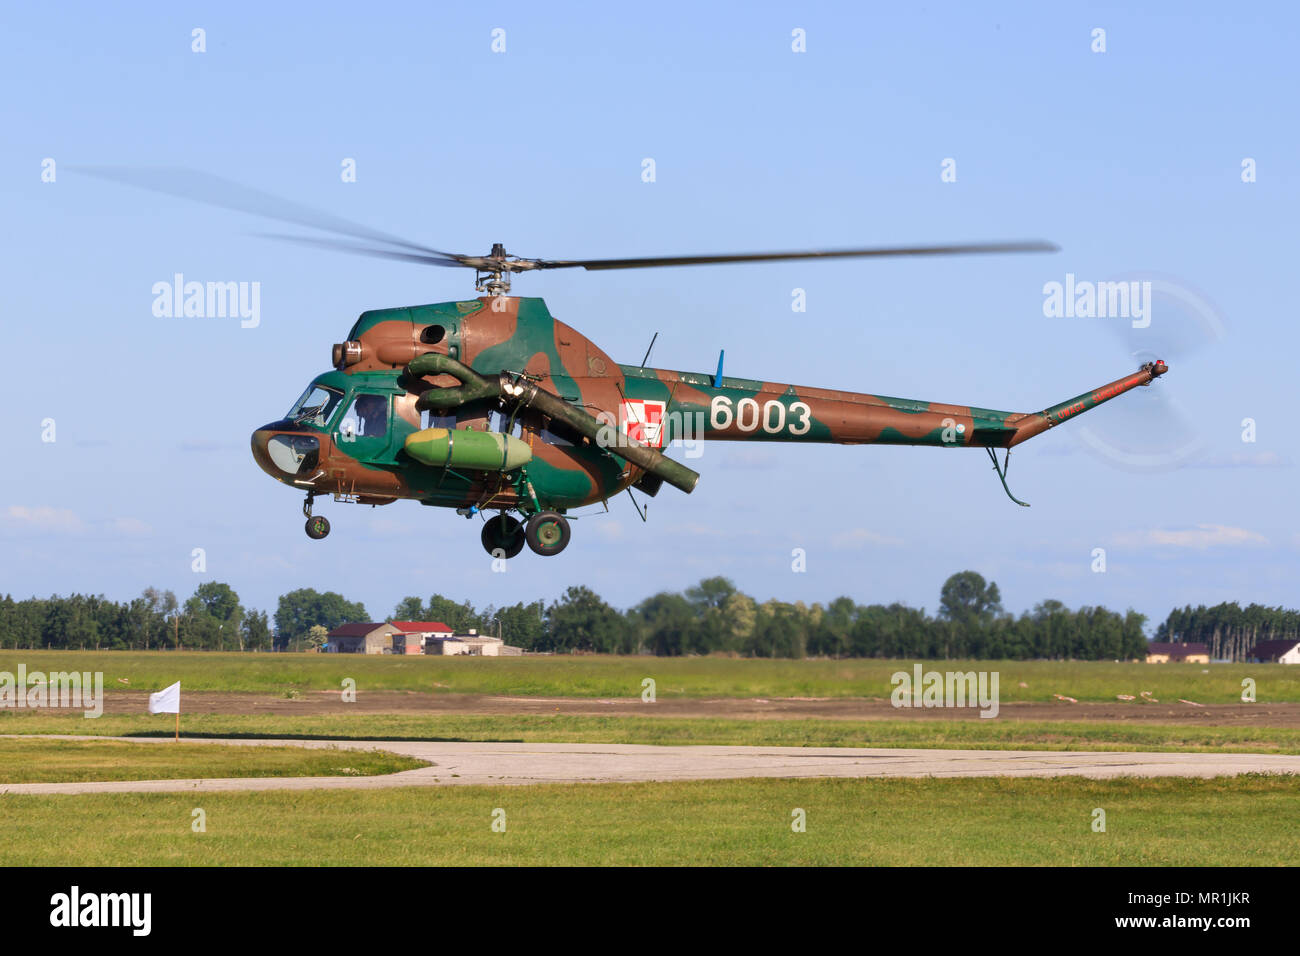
(316, 406)
(367, 418)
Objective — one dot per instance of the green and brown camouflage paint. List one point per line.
(519, 336)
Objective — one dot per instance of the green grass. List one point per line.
(63, 761)
(997, 821)
(998, 734)
(600, 676)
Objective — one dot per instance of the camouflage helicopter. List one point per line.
(494, 407)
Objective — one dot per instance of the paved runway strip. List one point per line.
(514, 764)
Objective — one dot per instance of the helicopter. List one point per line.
(492, 406)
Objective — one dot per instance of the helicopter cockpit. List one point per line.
(286, 449)
(315, 407)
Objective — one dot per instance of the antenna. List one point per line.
(650, 349)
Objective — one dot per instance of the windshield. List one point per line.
(316, 406)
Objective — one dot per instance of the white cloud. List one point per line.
(46, 520)
(1200, 538)
(41, 519)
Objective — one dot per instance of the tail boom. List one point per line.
(1035, 424)
(744, 410)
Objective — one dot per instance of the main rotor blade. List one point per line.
(356, 248)
(214, 191)
(1036, 245)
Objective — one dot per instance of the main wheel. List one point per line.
(548, 533)
(317, 527)
(503, 534)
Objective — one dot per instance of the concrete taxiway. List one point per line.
(459, 763)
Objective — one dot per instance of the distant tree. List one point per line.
(460, 617)
(218, 599)
(893, 630)
(967, 598)
(710, 593)
(409, 609)
(317, 636)
(666, 624)
(24, 625)
(782, 630)
(581, 621)
(735, 621)
(521, 625)
(1134, 636)
(213, 617)
(832, 637)
(256, 631)
(714, 630)
(71, 622)
(152, 625)
(300, 610)
(968, 607)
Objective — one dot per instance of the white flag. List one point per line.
(166, 701)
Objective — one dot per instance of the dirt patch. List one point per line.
(312, 703)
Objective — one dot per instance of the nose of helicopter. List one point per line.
(285, 455)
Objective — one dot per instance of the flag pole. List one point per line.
(178, 724)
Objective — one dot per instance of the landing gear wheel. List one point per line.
(317, 527)
(504, 534)
(548, 533)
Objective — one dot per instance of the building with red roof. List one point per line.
(361, 637)
(412, 636)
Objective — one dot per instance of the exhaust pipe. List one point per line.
(519, 391)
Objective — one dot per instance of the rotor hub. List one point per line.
(492, 273)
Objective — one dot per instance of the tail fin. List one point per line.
(1035, 423)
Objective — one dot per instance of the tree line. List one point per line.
(714, 617)
(211, 619)
(1229, 630)
(710, 617)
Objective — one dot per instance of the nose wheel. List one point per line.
(317, 527)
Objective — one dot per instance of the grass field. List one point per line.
(986, 821)
(62, 761)
(532, 728)
(1163, 822)
(600, 676)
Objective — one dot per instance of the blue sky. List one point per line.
(1130, 159)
